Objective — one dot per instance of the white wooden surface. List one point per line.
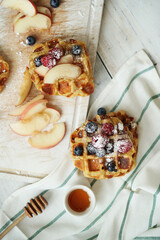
(127, 26)
(17, 157)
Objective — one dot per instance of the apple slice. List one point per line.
(62, 71)
(44, 10)
(19, 15)
(53, 113)
(19, 111)
(28, 126)
(66, 59)
(41, 70)
(45, 140)
(26, 23)
(25, 6)
(25, 87)
(33, 108)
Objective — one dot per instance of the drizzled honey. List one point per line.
(78, 200)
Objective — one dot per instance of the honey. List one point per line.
(78, 200)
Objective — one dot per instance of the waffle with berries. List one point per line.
(105, 147)
(4, 72)
(61, 67)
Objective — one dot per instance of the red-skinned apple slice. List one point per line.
(19, 15)
(19, 111)
(41, 70)
(25, 6)
(45, 140)
(34, 108)
(66, 59)
(25, 87)
(62, 71)
(28, 126)
(53, 113)
(44, 10)
(27, 23)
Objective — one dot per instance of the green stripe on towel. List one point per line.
(124, 184)
(42, 193)
(153, 207)
(127, 88)
(146, 106)
(47, 225)
(129, 199)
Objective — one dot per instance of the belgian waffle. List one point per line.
(96, 167)
(69, 87)
(4, 72)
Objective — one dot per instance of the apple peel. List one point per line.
(25, 87)
(28, 126)
(48, 139)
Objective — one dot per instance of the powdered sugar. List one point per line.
(99, 141)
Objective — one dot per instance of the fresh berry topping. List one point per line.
(91, 127)
(30, 40)
(100, 152)
(123, 145)
(111, 167)
(120, 127)
(101, 111)
(109, 146)
(78, 151)
(99, 141)
(37, 61)
(107, 129)
(48, 61)
(91, 149)
(54, 3)
(76, 50)
(57, 53)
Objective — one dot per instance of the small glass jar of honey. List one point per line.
(79, 200)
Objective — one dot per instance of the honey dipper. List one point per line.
(35, 206)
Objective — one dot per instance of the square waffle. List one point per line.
(4, 72)
(110, 154)
(69, 85)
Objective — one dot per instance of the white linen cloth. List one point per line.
(127, 207)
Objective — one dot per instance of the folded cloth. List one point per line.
(127, 207)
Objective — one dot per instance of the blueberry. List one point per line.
(76, 50)
(91, 127)
(101, 111)
(78, 151)
(30, 40)
(109, 146)
(54, 3)
(37, 61)
(111, 167)
(100, 152)
(91, 149)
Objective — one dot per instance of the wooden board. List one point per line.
(127, 27)
(73, 19)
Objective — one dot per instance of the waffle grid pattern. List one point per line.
(95, 167)
(81, 86)
(4, 72)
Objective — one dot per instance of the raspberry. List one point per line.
(48, 61)
(107, 129)
(99, 141)
(123, 145)
(57, 53)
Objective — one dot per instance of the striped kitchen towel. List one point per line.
(127, 207)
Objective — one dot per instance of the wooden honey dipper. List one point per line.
(35, 206)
